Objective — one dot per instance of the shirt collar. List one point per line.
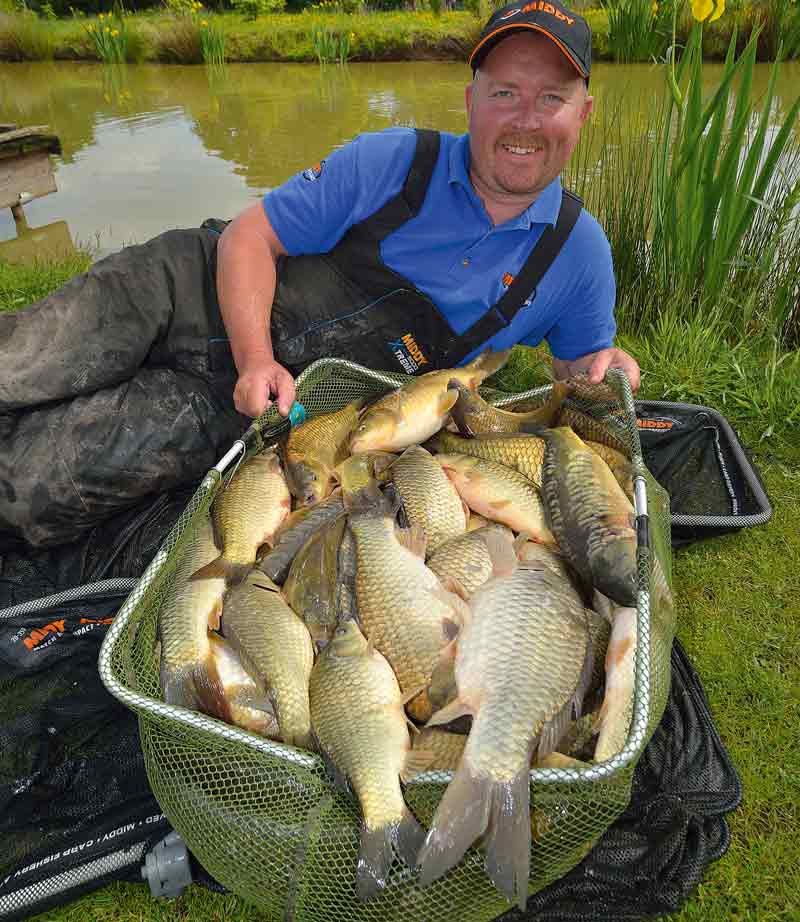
(543, 211)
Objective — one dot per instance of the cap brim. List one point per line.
(494, 37)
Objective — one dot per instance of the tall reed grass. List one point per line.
(638, 30)
(702, 204)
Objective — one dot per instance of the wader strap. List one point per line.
(407, 203)
(524, 285)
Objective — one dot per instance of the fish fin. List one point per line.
(410, 696)
(215, 616)
(521, 540)
(411, 725)
(462, 817)
(558, 760)
(449, 712)
(508, 841)
(254, 700)
(487, 363)
(374, 860)
(501, 504)
(447, 401)
(501, 553)
(261, 581)
(408, 838)
(442, 688)
(178, 688)
(232, 573)
(338, 778)
(413, 539)
(528, 427)
(417, 762)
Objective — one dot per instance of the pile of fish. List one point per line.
(447, 564)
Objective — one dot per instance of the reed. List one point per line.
(638, 30)
(212, 42)
(108, 35)
(702, 204)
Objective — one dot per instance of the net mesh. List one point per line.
(265, 820)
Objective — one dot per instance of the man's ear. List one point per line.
(468, 97)
(588, 105)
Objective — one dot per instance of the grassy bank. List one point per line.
(369, 36)
(737, 601)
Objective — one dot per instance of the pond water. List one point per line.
(164, 146)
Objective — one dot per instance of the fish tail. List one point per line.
(221, 568)
(487, 363)
(508, 842)
(461, 817)
(195, 686)
(374, 860)
(408, 838)
(474, 805)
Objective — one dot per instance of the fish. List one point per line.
(243, 704)
(618, 464)
(346, 601)
(523, 452)
(246, 515)
(589, 514)
(315, 448)
(359, 723)
(296, 529)
(521, 667)
(312, 583)
(275, 648)
(474, 416)
(464, 561)
(429, 497)
(418, 409)
(188, 677)
(589, 428)
(442, 747)
(498, 493)
(616, 712)
(403, 608)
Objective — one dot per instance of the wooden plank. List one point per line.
(31, 174)
(52, 241)
(20, 141)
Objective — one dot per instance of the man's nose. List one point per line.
(528, 115)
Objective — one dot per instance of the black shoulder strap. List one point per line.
(524, 285)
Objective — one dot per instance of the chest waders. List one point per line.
(347, 303)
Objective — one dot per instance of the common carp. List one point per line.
(275, 648)
(474, 416)
(520, 671)
(246, 515)
(616, 712)
(358, 719)
(590, 516)
(413, 412)
(403, 608)
(243, 704)
(315, 448)
(429, 497)
(498, 493)
(188, 677)
(465, 560)
(524, 452)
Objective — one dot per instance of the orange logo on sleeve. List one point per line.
(508, 278)
(39, 634)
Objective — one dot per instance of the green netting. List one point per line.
(264, 819)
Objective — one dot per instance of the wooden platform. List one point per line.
(25, 169)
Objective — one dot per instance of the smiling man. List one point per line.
(411, 250)
(405, 250)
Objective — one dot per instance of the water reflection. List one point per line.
(157, 146)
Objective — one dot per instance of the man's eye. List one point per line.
(551, 99)
(506, 94)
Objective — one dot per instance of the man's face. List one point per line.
(526, 107)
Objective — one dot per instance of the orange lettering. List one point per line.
(549, 8)
(30, 644)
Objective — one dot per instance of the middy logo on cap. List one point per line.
(313, 172)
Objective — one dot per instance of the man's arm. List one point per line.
(596, 364)
(247, 257)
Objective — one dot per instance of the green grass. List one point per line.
(737, 599)
(158, 35)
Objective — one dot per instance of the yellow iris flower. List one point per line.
(707, 10)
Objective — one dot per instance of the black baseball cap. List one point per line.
(568, 30)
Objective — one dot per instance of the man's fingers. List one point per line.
(285, 392)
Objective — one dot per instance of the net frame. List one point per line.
(571, 808)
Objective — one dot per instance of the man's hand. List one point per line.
(259, 383)
(596, 364)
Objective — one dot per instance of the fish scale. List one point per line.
(401, 605)
(520, 666)
(429, 498)
(522, 453)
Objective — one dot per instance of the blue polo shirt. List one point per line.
(451, 250)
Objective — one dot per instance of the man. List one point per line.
(406, 250)
(490, 197)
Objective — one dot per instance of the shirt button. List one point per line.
(465, 261)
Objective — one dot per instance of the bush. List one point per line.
(252, 9)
